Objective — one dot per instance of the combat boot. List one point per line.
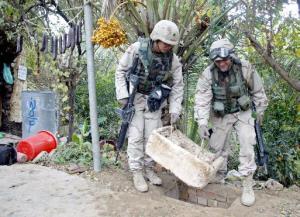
(152, 176)
(248, 197)
(139, 182)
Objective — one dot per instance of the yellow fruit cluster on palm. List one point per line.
(109, 33)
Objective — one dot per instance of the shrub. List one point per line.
(108, 120)
(282, 134)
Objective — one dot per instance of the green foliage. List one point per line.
(190, 80)
(108, 120)
(282, 134)
(281, 122)
(8, 14)
(108, 156)
(287, 46)
(79, 150)
(196, 20)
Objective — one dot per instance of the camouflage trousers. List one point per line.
(243, 123)
(141, 126)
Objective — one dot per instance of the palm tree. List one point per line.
(198, 21)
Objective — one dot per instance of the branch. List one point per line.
(63, 15)
(294, 83)
(33, 6)
(59, 11)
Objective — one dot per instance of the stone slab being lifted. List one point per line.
(192, 164)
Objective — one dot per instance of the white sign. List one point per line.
(22, 73)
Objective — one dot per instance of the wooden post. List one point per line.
(15, 101)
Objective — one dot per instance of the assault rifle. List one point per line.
(127, 112)
(262, 154)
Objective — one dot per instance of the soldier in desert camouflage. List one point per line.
(225, 92)
(160, 76)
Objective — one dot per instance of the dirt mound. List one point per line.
(37, 191)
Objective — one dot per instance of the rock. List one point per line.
(273, 185)
(75, 168)
(258, 185)
(294, 188)
(261, 210)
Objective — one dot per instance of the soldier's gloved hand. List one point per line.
(123, 102)
(259, 118)
(203, 131)
(174, 118)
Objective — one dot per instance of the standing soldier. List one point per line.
(226, 90)
(160, 79)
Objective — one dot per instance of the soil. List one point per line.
(30, 190)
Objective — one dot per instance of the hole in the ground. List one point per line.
(213, 195)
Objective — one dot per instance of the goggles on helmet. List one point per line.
(221, 52)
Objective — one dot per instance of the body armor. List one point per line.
(154, 68)
(230, 92)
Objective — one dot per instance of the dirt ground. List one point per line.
(29, 190)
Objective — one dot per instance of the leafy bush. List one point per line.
(108, 156)
(282, 134)
(79, 150)
(108, 120)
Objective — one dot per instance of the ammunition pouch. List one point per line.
(234, 91)
(219, 108)
(157, 96)
(219, 93)
(244, 102)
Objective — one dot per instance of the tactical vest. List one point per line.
(230, 92)
(154, 68)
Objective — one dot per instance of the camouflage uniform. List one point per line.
(235, 116)
(241, 121)
(145, 121)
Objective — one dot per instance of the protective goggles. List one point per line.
(221, 52)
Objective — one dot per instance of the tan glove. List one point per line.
(203, 131)
(174, 118)
(123, 102)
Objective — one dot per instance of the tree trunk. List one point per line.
(294, 83)
(71, 86)
(15, 101)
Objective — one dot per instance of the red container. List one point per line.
(33, 145)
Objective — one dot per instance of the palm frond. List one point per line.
(108, 7)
